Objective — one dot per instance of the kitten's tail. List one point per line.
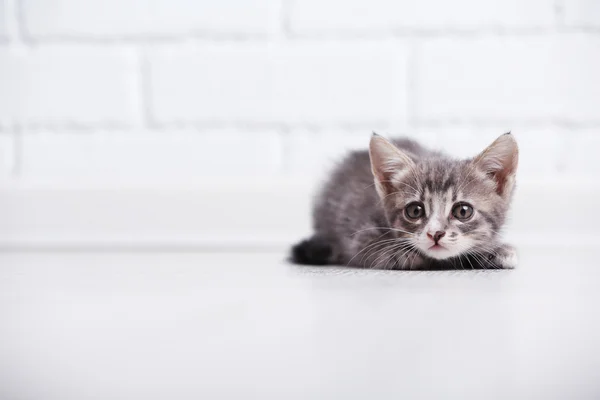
(313, 251)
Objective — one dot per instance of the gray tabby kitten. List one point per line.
(425, 210)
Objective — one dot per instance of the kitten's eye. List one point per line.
(462, 211)
(414, 210)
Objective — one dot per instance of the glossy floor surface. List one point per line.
(250, 326)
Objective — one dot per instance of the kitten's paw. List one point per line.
(505, 257)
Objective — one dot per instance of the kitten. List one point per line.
(424, 211)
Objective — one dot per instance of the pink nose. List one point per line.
(436, 236)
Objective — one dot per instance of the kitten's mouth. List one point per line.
(437, 247)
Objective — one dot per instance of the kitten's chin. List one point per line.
(439, 252)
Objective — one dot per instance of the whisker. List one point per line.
(372, 247)
(471, 254)
(386, 252)
(380, 202)
(401, 249)
(413, 259)
(469, 260)
(406, 255)
(382, 227)
(461, 263)
(376, 251)
(416, 191)
(374, 243)
(482, 259)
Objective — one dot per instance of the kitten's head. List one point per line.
(445, 207)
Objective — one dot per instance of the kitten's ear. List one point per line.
(499, 161)
(386, 161)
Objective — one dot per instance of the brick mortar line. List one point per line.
(64, 127)
(285, 129)
(342, 36)
(14, 20)
(145, 88)
(519, 122)
(559, 14)
(285, 25)
(142, 39)
(449, 32)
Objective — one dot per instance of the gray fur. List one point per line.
(359, 215)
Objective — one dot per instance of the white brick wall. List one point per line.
(56, 85)
(162, 91)
(3, 30)
(307, 83)
(136, 18)
(581, 153)
(582, 13)
(542, 79)
(310, 16)
(145, 156)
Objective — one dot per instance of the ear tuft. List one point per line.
(386, 160)
(499, 161)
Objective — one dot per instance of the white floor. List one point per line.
(226, 326)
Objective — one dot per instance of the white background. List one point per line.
(209, 95)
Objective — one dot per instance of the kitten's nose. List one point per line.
(436, 236)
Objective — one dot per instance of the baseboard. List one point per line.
(240, 216)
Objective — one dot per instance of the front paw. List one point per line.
(505, 256)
